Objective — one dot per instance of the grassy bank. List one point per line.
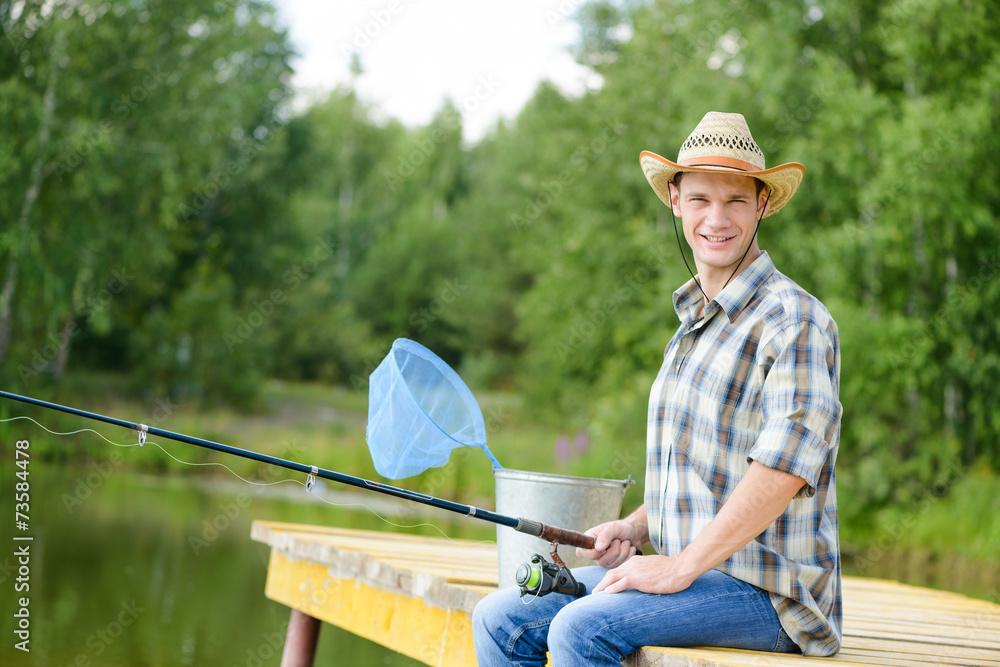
(949, 536)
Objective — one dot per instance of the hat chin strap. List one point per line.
(738, 264)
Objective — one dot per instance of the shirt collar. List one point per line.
(733, 299)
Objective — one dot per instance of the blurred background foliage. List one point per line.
(169, 216)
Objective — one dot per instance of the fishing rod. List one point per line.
(534, 528)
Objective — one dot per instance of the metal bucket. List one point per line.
(574, 503)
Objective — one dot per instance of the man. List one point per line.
(743, 429)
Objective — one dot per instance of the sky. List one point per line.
(487, 56)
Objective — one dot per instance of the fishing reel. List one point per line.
(539, 577)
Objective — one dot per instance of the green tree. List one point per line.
(159, 108)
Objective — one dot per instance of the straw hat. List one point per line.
(722, 144)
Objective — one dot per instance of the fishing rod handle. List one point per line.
(552, 534)
(569, 537)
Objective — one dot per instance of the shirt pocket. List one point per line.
(725, 401)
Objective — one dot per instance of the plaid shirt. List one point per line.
(754, 379)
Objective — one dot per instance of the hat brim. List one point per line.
(782, 181)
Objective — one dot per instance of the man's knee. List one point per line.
(485, 630)
(494, 614)
(571, 627)
(583, 632)
(506, 630)
(482, 613)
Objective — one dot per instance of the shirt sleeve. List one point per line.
(800, 403)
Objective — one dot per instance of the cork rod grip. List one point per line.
(551, 534)
(569, 537)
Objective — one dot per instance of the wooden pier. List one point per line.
(415, 595)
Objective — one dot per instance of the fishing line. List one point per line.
(244, 479)
(537, 594)
(547, 533)
(309, 491)
(396, 525)
(82, 430)
(215, 463)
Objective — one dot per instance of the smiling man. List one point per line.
(743, 429)
(720, 223)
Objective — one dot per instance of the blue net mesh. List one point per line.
(419, 410)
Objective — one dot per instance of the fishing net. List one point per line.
(419, 410)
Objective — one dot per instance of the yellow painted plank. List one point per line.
(449, 559)
(400, 622)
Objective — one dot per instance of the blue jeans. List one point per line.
(602, 629)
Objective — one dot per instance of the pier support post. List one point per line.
(300, 641)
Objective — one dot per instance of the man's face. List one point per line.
(719, 212)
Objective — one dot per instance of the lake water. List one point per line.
(136, 570)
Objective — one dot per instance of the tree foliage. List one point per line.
(191, 233)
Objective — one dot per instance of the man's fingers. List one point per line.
(619, 554)
(612, 585)
(600, 544)
(610, 549)
(606, 581)
(618, 586)
(604, 541)
(601, 552)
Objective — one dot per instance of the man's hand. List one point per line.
(649, 574)
(760, 498)
(614, 543)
